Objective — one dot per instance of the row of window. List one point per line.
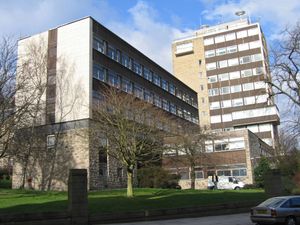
(231, 36)
(239, 102)
(132, 64)
(236, 88)
(236, 75)
(232, 49)
(258, 127)
(199, 174)
(128, 86)
(226, 144)
(245, 114)
(234, 62)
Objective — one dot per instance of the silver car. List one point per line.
(285, 209)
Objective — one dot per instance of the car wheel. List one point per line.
(237, 188)
(290, 221)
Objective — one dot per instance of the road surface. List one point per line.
(234, 219)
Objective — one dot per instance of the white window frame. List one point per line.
(211, 66)
(230, 37)
(232, 49)
(223, 75)
(249, 100)
(254, 44)
(225, 90)
(236, 88)
(237, 102)
(227, 117)
(234, 75)
(214, 105)
(221, 51)
(219, 39)
(223, 64)
(210, 53)
(259, 85)
(246, 73)
(253, 31)
(241, 34)
(248, 86)
(226, 104)
(215, 119)
(243, 47)
(208, 41)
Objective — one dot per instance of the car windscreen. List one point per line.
(272, 202)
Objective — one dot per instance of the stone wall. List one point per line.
(51, 164)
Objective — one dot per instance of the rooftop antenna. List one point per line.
(240, 14)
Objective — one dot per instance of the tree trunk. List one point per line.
(193, 177)
(129, 183)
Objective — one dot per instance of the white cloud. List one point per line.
(152, 37)
(142, 29)
(276, 13)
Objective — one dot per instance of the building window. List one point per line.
(219, 39)
(203, 100)
(214, 105)
(231, 49)
(234, 75)
(112, 52)
(183, 48)
(226, 117)
(99, 73)
(245, 59)
(221, 145)
(258, 71)
(248, 86)
(261, 98)
(157, 101)
(173, 108)
(243, 47)
(223, 64)
(156, 79)
(253, 31)
(224, 90)
(241, 34)
(265, 127)
(208, 41)
(211, 66)
(179, 112)
(212, 79)
(221, 51)
(259, 84)
(253, 128)
(254, 44)
(164, 84)
(233, 62)
(215, 119)
(230, 36)
(147, 74)
(239, 172)
(148, 96)
(187, 115)
(137, 68)
(213, 91)
(236, 88)
(237, 102)
(99, 45)
(199, 174)
(127, 86)
(172, 89)
(113, 79)
(256, 57)
(223, 77)
(126, 61)
(201, 87)
(226, 104)
(246, 73)
(184, 175)
(210, 53)
(236, 143)
(138, 91)
(51, 139)
(249, 100)
(226, 173)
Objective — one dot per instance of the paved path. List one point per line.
(234, 219)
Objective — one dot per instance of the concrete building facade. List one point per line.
(227, 65)
(80, 57)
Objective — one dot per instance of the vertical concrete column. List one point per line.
(78, 197)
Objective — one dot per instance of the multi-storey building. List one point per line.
(227, 65)
(80, 56)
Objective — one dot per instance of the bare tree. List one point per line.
(10, 116)
(285, 65)
(189, 146)
(133, 129)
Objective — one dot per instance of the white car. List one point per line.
(228, 183)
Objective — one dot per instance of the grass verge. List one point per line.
(116, 201)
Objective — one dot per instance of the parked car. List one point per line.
(284, 209)
(224, 182)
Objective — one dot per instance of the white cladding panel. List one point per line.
(32, 53)
(73, 77)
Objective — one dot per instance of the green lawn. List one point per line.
(115, 200)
